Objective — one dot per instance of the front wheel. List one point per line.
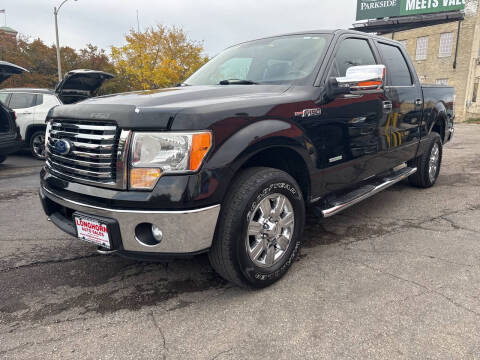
(260, 228)
(37, 145)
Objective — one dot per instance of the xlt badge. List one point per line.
(309, 112)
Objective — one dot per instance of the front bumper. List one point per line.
(184, 231)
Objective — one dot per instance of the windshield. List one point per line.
(267, 61)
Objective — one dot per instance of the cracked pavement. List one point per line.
(397, 276)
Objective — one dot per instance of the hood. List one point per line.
(157, 108)
(8, 69)
(80, 84)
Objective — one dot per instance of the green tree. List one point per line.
(158, 57)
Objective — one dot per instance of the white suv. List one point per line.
(32, 105)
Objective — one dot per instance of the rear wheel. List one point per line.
(37, 144)
(260, 228)
(428, 164)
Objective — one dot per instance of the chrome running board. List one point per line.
(364, 192)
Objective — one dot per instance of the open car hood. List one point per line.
(8, 69)
(80, 84)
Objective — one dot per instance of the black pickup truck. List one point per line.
(229, 161)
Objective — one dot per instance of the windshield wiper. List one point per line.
(237, 82)
(182, 85)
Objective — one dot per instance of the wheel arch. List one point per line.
(31, 129)
(270, 143)
(439, 123)
(282, 158)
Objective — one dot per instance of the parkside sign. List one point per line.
(372, 9)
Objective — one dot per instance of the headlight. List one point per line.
(155, 154)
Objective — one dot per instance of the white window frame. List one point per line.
(475, 91)
(422, 48)
(446, 44)
(443, 82)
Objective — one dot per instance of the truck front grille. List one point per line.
(93, 155)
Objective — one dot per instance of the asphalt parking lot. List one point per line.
(397, 276)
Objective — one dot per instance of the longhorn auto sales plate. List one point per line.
(93, 231)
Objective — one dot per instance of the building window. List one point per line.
(403, 42)
(475, 91)
(422, 48)
(446, 45)
(441, 81)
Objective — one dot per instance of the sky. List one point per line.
(216, 23)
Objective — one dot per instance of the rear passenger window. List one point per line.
(22, 101)
(3, 98)
(39, 100)
(397, 68)
(352, 52)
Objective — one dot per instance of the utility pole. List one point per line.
(138, 23)
(59, 63)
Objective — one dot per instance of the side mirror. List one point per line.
(365, 78)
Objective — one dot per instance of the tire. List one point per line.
(37, 145)
(428, 164)
(247, 260)
(2, 159)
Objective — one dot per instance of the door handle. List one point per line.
(387, 106)
(418, 102)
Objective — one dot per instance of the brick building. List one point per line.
(8, 34)
(445, 49)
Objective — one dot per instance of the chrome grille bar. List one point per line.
(85, 127)
(70, 134)
(91, 155)
(99, 165)
(92, 147)
(77, 171)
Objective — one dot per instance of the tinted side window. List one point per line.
(4, 97)
(22, 101)
(397, 68)
(39, 100)
(352, 52)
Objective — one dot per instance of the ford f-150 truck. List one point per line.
(228, 161)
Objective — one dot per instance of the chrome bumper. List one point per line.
(187, 231)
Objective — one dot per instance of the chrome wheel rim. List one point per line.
(433, 162)
(270, 230)
(38, 146)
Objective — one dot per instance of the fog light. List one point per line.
(157, 233)
(148, 234)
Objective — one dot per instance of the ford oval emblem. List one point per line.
(63, 146)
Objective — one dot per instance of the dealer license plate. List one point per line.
(93, 231)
